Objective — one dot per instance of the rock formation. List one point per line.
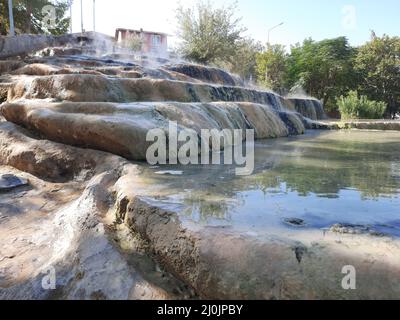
(74, 121)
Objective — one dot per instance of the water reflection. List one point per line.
(322, 177)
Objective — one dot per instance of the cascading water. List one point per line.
(118, 102)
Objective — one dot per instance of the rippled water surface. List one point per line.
(322, 178)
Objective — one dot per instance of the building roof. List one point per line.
(142, 31)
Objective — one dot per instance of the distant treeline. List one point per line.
(363, 80)
(30, 17)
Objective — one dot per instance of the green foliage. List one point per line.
(272, 67)
(208, 34)
(378, 64)
(354, 107)
(29, 17)
(325, 68)
(134, 42)
(214, 36)
(243, 61)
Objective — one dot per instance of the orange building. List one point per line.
(153, 42)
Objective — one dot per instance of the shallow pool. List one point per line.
(320, 179)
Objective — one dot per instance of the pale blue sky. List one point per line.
(318, 19)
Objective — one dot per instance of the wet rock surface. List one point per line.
(122, 128)
(220, 263)
(207, 74)
(296, 222)
(310, 108)
(10, 181)
(347, 228)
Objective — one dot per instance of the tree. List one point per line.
(354, 106)
(378, 63)
(209, 35)
(134, 42)
(30, 17)
(243, 62)
(325, 68)
(272, 67)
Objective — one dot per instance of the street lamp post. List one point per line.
(11, 17)
(70, 15)
(81, 17)
(274, 27)
(269, 31)
(94, 15)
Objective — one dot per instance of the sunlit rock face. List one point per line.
(99, 126)
(87, 86)
(122, 128)
(111, 104)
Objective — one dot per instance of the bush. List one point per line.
(134, 42)
(359, 107)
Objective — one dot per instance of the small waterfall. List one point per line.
(111, 105)
(308, 107)
(84, 78)
(206, 74)
(122, 128)
(87, 87)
